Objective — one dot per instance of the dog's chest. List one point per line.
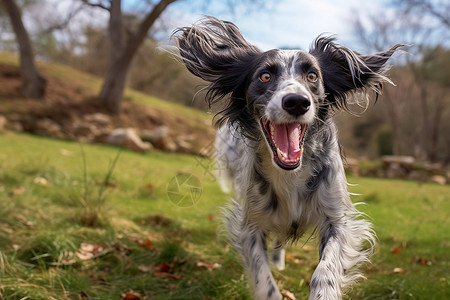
(288, 211)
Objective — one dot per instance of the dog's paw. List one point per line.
(268, 294)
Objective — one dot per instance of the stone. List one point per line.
(3, 123)
(93, 128)
(159, 138)
(405, 162)
(49, 128)
(128, 138)
(438, 179)
(99, 120)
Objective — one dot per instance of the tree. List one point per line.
(122, 53)
(33, 83)
(416, 110)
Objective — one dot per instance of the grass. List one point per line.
(148, 245)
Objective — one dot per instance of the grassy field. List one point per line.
(75, 223)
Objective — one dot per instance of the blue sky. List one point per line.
(288, 23)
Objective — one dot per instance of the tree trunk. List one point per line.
(33, 83)
(114, 85)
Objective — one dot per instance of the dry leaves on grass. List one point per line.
(88, 251)
(144, 243)
(131, 295)
(397, 250)
(163, 270)
(208, 266)
(423, 261)
(40, 181)
(398, 271)
(295, 260)
(288, 295)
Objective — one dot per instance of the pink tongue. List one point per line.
(287, 139)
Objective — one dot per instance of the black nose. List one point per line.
(295, 105)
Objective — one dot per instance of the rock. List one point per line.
(15, 126)
(438, 179)
(184, 147)
(397, 166)
(159, 138)
(434, 168)
(93, 128)
(99, 120)
(394, 170)
(184, 144)
(49, 128)
(405, 162)
(127, 138)
(417, 176)
(3, 123)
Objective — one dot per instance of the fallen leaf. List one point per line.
(88, 251)
(166, 275)
(147, 244)
(294, 259)
(165, 267)
(147, 268)
(308, 248)
(40, 181)
(24, 221)
(397, 250)
(208, 266)
(18, 190)
(131, 295)
(398, 270)
(423, 261)
(288, 295)
(211, 217)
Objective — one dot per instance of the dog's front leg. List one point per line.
(327, 278)
(254, 252)
(341, 251)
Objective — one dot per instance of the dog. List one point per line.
(277, 144)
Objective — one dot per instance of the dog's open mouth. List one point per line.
(286, 141)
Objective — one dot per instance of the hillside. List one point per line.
(70, 103)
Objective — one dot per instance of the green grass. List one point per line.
(140, 230)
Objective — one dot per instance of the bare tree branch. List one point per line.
(96, 4)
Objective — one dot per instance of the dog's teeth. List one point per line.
(281, 155)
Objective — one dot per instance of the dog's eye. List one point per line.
(265, 77)
(312, 77)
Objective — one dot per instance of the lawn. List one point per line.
(87, 222)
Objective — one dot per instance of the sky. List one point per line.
(288, 23)
(283, 24)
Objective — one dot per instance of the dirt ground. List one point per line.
(66, 103)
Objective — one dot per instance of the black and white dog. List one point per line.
(279, 147)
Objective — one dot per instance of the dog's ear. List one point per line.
(346, 72)
(215, 51)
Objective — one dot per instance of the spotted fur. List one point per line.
(273, 196)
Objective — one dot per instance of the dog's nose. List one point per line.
(295, 104)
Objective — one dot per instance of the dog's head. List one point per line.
(276, 94)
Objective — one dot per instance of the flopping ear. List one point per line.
(346, 72)
(215, 51)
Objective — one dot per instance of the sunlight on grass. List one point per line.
(151, 246)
